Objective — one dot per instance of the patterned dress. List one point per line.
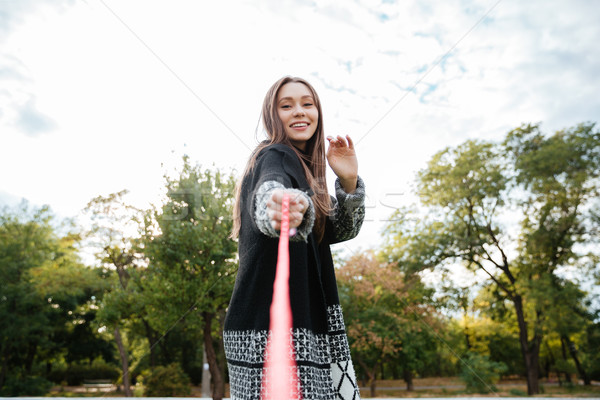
(324, 367)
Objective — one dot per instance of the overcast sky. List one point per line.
(97, 96)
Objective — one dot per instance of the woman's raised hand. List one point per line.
(342, 160)
(298, 206)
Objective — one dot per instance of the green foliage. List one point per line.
(517, 392)
(26, 242)
(46, 295)
(112, 236)
(480, 374)
(192, 259)
(25, 385)
(565, 366)
(591, 357)
(171, 267)
(169, 381)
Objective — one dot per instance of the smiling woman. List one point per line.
(293, 162)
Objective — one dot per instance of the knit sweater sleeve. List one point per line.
(348, 212)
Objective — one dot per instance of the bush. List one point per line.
(480, 374)
(15, 385)
(169, 381)
(517, 392)
(75, 374)
(195, 373)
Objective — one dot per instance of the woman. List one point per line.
(292, 160)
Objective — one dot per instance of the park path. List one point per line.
(425, 387)
(364, 398)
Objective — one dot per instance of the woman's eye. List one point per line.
(308, 105)
(285, 106)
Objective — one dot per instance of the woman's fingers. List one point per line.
(274, 216)
(335, 142)
(341, 141)
(297, 201)
(295, 221)
(277, 196)
(298, 206)
(350, 142)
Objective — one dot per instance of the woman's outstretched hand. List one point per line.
(342, 160)
(298, 206)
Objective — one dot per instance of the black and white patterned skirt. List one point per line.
(324, 369)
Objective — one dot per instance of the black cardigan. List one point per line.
(313, 291)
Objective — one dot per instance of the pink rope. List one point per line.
(280, 380)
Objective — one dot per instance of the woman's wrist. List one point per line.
(349, 184)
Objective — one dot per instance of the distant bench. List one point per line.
(97, 384)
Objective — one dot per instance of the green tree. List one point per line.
(558, 179)
(44, 293)
(192, 260)
(113, 227)
(551, 180)
(72, 291)
(26, 242)
(591, 342)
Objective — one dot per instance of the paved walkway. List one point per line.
(498, 385)
(364, 398)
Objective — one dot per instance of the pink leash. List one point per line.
(280, 380)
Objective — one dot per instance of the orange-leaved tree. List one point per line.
(388, 316)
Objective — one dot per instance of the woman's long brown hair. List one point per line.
(313, 159)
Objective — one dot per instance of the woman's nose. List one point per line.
(298, 110)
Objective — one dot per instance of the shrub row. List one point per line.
(76, 374)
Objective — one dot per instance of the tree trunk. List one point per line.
(408, 378)
(466, 330)
(531, 363)
(371, 376)
(205, 374)
(529, 349)
(211, 355)
(124, 363)
(222, 360)
(586, 379)
(373, 386)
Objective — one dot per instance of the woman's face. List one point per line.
(298, 113)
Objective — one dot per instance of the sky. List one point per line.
(97, 96)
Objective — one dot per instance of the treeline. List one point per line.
(522, 214)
